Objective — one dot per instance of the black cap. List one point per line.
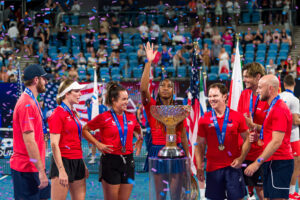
(35, 70)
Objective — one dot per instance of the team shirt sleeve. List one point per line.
(26, 118)
(137, 126)
(279, 120)
(96, 123)
(55, 123)
(201, 128)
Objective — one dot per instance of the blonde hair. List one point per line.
(66, 83)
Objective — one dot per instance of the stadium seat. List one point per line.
(64, 49)
(249, 47)
(272, 53)
(261, 53)
(115, 71)
(224, 77)
(214, 69)
(123, 55)
(261, 46)
(123, 63)
(116, 77)
(141, 18)
(132, 56)
(104, 71)
(246, 18)
(212, 77)
(137, 72)
(128, 48)
(227, 48)
(75, 51)
(273, 46)
(284, 46)
(74, 20)
(181, 72)
(133, 63)
(170, 71)
(161, 20)
(105, 78)
(87, 55)
(157, 72)
(81, 73)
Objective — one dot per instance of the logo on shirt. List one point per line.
(211, 125)
(130, 122)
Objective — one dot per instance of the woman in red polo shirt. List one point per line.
(68, 170)
(117, 127)
(158, 133)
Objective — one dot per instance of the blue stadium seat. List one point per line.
(128, 48)
(214, 69)
(123, 63)
(272, 53)
(127, 42)
(105, 78)
(116, 77)
(170, 70)
(283, 54)
(249, 55)
(64, 49)
(104, 71)
(81, 73)
(123, 55)
(223, 77)
(142, 17)
(161, 20)
(249, 47)
(246, 18)
(91, 72)
(115, 71)
(53, 56)
(137, 72)
(52, 49)
(273, 46)
(150, 18)
(66, 19)
(212, 77)
(261, 46)
(133, 63)
(75, 20)
(227, 48)
(132, 56)
(181, 72)
(87, 55)
(261, 53)
(284, 46)
(75, 51)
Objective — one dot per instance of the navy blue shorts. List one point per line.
(277, 178)
(26, 186)
(256, 179)
(225, 183)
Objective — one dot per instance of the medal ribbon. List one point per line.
(123, 136)
(29, 92)
(261, 136)
(251, 110)
(221, 135)
(290, 91)
(79, 127)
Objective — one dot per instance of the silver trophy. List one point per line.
(170, 116)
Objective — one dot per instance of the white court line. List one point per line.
(3, 177)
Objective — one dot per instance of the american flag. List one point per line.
(196, 99)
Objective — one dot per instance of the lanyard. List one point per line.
(66, 108)
(251, 110)
(290, 91)
(221, 135)
(123, 136)
(29, 92)
(261, 136)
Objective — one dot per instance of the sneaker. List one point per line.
(292, 196)
(93, 160)
(296, 195)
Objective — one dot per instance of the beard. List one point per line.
(40, 87)
(264, 97)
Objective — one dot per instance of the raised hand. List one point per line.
(149, 52)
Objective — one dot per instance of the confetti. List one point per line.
(33, 160)
(154, 170)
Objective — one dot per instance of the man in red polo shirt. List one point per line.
(220, 130)
(254, 112)
(276, 132)
(28, 160)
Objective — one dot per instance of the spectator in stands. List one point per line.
(236, 11)
(88, 78)
(216, 49)
(29, 38)
(75, 9)
(102, 50)
(278, 5)
(81, 61)
(188, 45)
(258, 38)
(208, 31)
(73, 74)
(286, 10)
(89, 39)
(268, 37)
(223, 61)
(248, 38)
(218, 13)
(46, 32)
(229, 11)
(178, 58)
(3, 74)
(49, 66)
(13, 34)
(265, 5)
(166, 56)
(144, 30)
(5, 51)
(141, 54)
(154, 32)
(227, 38)
(104, 26)
(282, 69)
(63, 72)
(196, 31)
(115, 26)
(92, 60)
(291, 67)
(115, 43)
(216, 37)
(192, 7)
(114, 59)
(285, 38)
(271, 67)
(166, 40)
(11, 70)
(62, 35)
(102, 37)
(276, 37)
(170, 15)
(102, 60)
(161, 7)
(205, 56)
(178, 39)
(201, 6)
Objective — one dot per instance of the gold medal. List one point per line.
(221, 147)
(260, 142)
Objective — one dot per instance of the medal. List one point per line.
(260, 142)
(221, 147)
(123, 149)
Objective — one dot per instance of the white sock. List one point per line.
(202, 192)
(292, 189)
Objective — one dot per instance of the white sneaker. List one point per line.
(251, 198)
(92, 161)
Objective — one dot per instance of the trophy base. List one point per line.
(171, 152)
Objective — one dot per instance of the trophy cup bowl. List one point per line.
(170, 116)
